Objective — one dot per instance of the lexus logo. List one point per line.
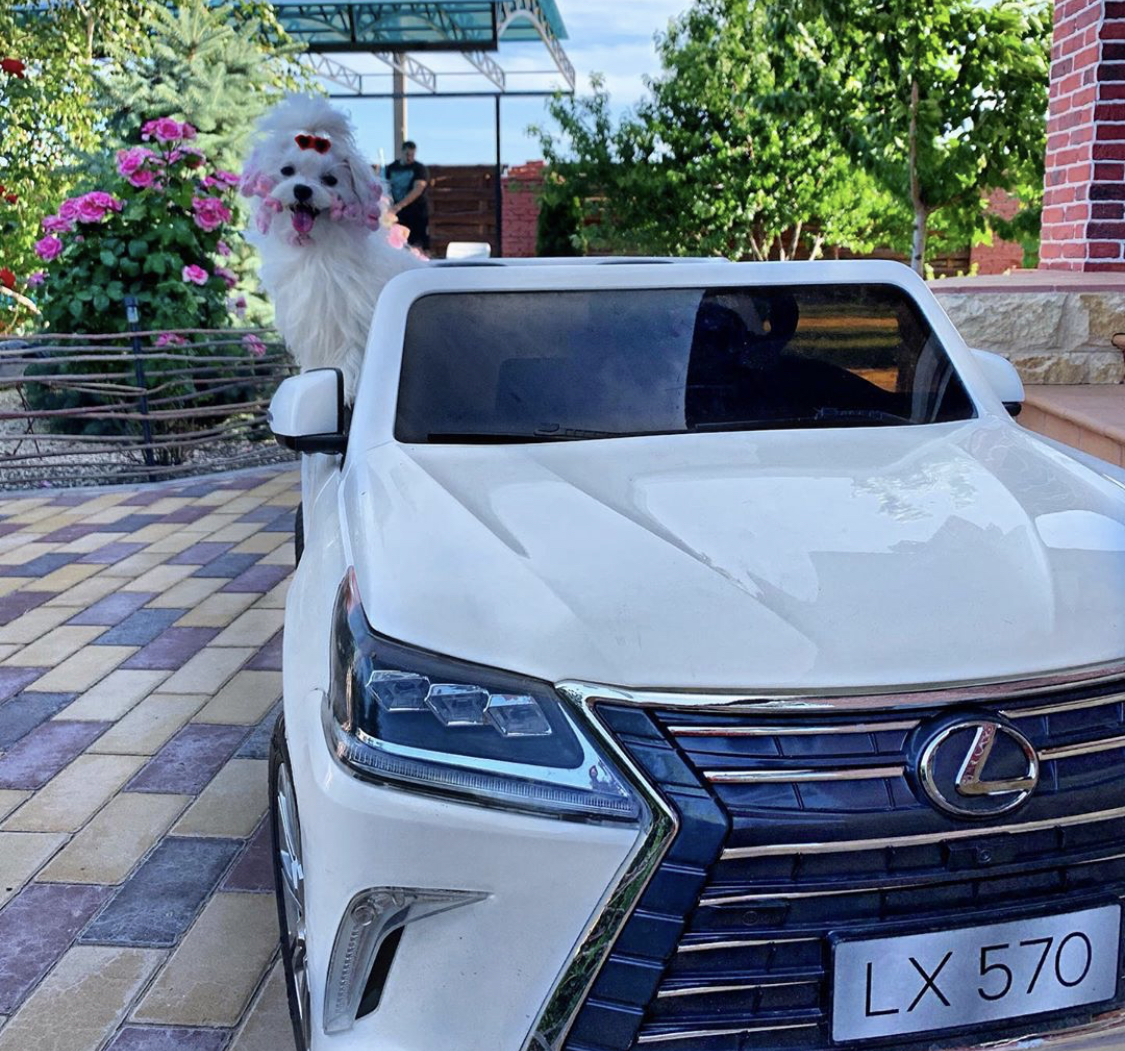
(976, 767)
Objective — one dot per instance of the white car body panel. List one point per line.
(956, 552)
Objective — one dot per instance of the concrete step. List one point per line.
(1090, 418)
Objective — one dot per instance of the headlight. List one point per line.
(404, 716)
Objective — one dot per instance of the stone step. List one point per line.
(1090, 418)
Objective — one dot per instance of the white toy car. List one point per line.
(696, 658)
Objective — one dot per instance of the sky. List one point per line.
(611, 37)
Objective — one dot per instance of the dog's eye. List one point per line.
(328, 180)
(287, 170)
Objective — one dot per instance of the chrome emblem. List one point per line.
(956, 763)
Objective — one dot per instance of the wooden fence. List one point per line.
(134, 407)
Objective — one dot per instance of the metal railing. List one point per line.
(135, 407)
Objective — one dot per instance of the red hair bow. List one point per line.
(312, 142)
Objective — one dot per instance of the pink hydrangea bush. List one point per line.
(158, 231)
(161, 228)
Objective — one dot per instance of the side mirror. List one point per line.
(1002, 378)
(307, 413)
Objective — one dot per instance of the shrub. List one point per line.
(160, 232)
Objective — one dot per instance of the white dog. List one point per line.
(327, 241)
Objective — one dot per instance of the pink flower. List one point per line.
(68, 210)
(170, 339)
(195, 274)
(269, 207)
(398, 235)
(210, 212)
(89, 211)
(105, 200)
(254, 345)
(222, 248)
(142, 178)
(56, 224)
(48, 248)
(227, 178)
(255, 184)
(165, 129)
(189, 153)
(36, 279)
(237, 306)
(229, 276)
(130, 161)
(92, 207)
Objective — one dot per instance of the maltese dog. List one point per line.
(324, 231)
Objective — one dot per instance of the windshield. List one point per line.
(563, 365)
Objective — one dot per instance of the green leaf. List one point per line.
(101, 302)
(138, 248)
(108, 258)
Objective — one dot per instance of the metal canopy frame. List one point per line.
(389, 30)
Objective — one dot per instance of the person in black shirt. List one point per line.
(409, 179)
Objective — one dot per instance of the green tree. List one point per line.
(940, 101)
(217, 66)
(703, 166)
(46, 120)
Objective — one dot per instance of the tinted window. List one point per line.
(539, 366)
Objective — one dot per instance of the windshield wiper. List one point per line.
(822, 418)
(487, 437)
(563, 434)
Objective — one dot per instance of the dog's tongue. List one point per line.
(303, 221)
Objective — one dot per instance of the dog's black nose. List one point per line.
(302, 192)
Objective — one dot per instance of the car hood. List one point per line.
(783, 559)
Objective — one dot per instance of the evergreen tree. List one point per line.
(219, 67)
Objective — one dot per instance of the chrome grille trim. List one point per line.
(789, 731)
(1064, 706)
(701, 990)
(699, 1034)
(853, 700)
(776, 777)
(921, 840)
(747, 943)
(1069, 751)
(873, 888)
(654, 838)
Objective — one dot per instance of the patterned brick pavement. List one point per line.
(140, 676)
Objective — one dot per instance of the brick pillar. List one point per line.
(521, 209)
(1084, 193)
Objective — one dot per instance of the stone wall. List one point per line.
(1058, 332)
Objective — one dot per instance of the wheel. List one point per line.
(299, 534)
(289, 886)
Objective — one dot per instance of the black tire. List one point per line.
(299, 534)
(279, 760)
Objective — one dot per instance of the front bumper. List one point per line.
(473, 978)
(584, 927)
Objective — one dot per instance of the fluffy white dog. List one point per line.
(327, 242)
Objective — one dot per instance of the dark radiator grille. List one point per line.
(796, 828)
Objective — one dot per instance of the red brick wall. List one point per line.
(521, 208)
(1084, 192)
(1000, 256)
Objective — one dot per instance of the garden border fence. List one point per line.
(136, 406)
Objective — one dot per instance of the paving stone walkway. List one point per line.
(140, 676)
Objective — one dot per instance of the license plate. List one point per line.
(922, 982)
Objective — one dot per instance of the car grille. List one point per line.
(798, 827)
